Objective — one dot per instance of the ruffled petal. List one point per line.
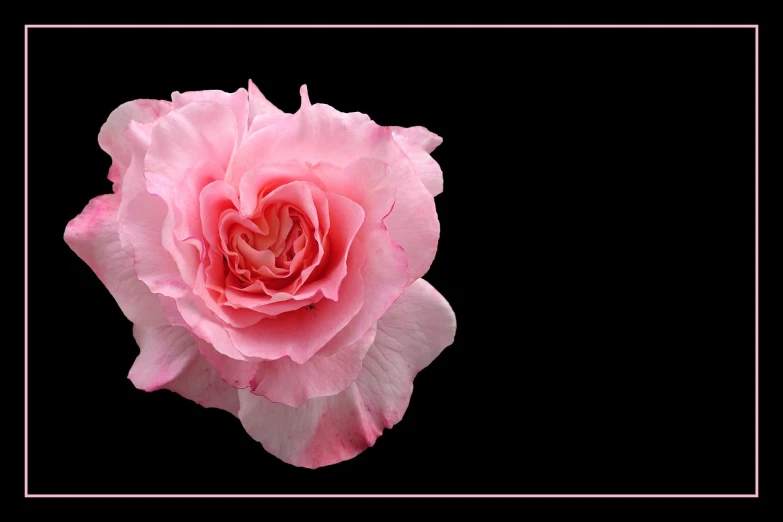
(328, 430)
(93, 236)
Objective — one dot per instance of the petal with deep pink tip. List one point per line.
(327, 430)
(93, 236)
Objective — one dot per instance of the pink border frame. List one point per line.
(27, 27)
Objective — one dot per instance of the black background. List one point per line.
(597, 247)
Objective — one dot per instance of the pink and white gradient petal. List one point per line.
(94, 237)
(170, 359)
(328, 430)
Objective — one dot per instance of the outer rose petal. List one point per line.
(202, 384)
(199, 131)
(170, 359)
(328, 430)
(93, 236)
(417, 143)
(236, 101)
(165, 352)
(287, 382)
(261, 108)
(111, 137)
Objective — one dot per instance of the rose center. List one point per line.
(272, 247)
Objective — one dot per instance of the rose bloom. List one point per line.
(271, 263)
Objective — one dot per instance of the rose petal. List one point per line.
(369, 183)
(328, 430)
(199, 131)
(236, 101)
(142, 226)
(202, 384)
(299, 334)
(262, 180)
(413, 224)
(186, 215)
(260, 107)
(93, 236)
(170, 359)
(111, 136)
(290, 383)
(346, 218)
(165, 352)
(417, 143)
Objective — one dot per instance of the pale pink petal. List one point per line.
(170, 359)
(142, 226)
(418, 143)
(263, 120)
(93, 236)
(202, 384)
(366, 181)
(199, 131)
(260, 107)
(328, 430)
(419, 136)
(303, 195)
(188, 245)
(236, 101)
(137, 137)
(413, 224)
(264, 179)
(111, 137)
(290, 383)
(315, 133)
(165, 352)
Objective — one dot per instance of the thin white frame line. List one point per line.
(391, 26)
(388, 26)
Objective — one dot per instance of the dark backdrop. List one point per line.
(597, 247)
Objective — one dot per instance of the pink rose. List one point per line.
(271, 263)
